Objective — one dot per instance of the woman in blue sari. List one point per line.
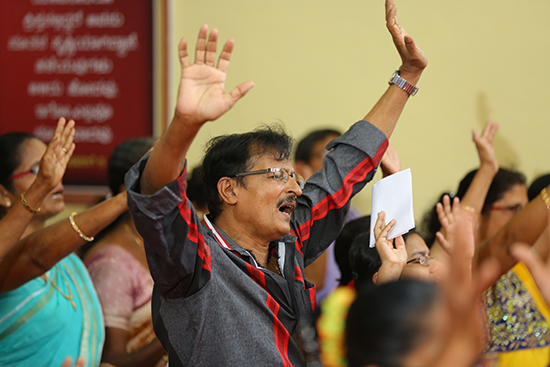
(49, 309)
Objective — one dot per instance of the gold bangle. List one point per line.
(544, 196)
(77, 230)
(27, 206)
(469, 208)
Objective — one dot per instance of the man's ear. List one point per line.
(375, 278)
(5, 198)
(226, 190)
(304, 169)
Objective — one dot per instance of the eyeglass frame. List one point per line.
(419, 259)
(296, 176)
(33, 171)
(513, 208)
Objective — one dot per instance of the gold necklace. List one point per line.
(275, 265)
(138, 240)
(70, 295)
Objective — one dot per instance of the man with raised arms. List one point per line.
(233, 292)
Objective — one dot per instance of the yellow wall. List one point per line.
(324, 64)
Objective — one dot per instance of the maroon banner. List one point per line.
(87, 60)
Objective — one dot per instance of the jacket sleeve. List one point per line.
(351, 162)
(177, 254)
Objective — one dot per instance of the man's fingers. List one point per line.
(182, 53)
(225, 56)
(390, 6)
(238, 92)
(211, 47)
(200, 50)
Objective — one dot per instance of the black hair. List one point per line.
(343, 243)
(305, 146)
(536, 186)
(228, 155)
(503, 181)
(123, 157)
(10, 155)
(195, 188)
(364, 260)
(388, 322)
(10, 158)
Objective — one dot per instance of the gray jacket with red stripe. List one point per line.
(212, 304)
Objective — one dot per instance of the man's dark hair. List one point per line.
(195, 188)
(123, 157)
(228, 155)
(343, 244)
(503, 181)
(305, 146)
(388, 322)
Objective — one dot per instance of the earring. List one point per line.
(8, 204)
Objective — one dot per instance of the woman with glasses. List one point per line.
(517, 315)
(49, 307)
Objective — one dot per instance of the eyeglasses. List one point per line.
(279, 174)
(423, 260)
(512, 208)
(33, 171)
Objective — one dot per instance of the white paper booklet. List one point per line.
(393, 195)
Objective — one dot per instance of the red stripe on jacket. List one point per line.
(341, 197)
(281, 333)
(194, 235)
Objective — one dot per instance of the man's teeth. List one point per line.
(56, 195)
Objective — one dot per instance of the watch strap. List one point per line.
(403, 84)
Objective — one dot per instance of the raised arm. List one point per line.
(201, 98)
(390, 162)
(539, 268)
(477, 191)
(51, 170)
(488, 168)
(525, 227)
(35, 254)
(386, 112)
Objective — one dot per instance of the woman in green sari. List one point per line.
(48, 307)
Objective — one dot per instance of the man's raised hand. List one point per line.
(413, 59)
(201, 95)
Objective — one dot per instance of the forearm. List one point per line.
(13, 225)
(476, 193)
(386, 111)
(168, 158)
(40, 251)
(526, 227)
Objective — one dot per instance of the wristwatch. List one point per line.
(402, 83)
